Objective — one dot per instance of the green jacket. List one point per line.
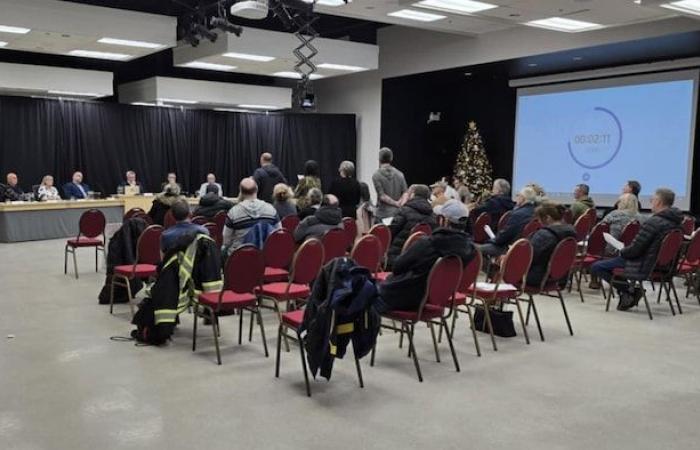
(580, 206)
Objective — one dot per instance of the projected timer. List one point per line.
(595, 139)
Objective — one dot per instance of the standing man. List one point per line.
(582, 201)
(76, 189)
(11, 191)
(211, 181)
(131, 182)
(390, 185)
(266, 177)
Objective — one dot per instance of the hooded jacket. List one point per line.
(640, 256)
(415, 211)
(243, 216)
(326, 218)
(161, 205)
(122, 251)
(210, 204)
(267, 177)
(390, 181)
(405, 287)
(543, 243)
(495, 207)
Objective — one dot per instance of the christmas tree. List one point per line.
(473, 168)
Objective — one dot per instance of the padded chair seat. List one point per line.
(278, 290)
(381, 276)
(460, 298)
(142, 270)
(230, 300)
(588, 260)
(274, 274)
(293, 319)
(84, 242)
(688, 267)
(482, 289)
(429, 312)
(619, 272)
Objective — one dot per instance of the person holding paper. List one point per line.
(522, 214)
(638, 259)
(545, 239)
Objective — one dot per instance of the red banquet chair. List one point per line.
(144, 268)
(279, 251)
(480, 235)
(383, 233)
(91, 225)
(133, 212)
(412, 239)
(242, 275)
(559, 267)
(593, 251)
(568, 216)
(214, 233)
(462, 301)
(220, 220)
(290, 223)
(169, 220)
(503, 221)
(434, 309)
(629, 232)
(200, 220)
(530, 228)
(688, 225)
(663, 272)
(583, 226)
(367, 253)
(335, 243)
(506, 289)
(423, 228)
(350, 227)
(690, 265)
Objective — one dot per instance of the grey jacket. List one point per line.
(390, 181)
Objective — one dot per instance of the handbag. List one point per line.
(502, 321)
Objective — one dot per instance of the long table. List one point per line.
(33, 221)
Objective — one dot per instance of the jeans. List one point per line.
(604, 270)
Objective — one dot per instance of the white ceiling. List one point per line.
(510, 13)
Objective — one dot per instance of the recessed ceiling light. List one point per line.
(268, 107)
(143, 104)
(563, 24)
(416, 15)
(467, 74)
(99, 55)
(209, 66)
(249, 57)
(532, 65)
(3, 43)
(177, 100)
(328, 2)
(76, 94)
(686, 6)
(341, 67)
(313, 76)
(456, 6)
(128, 43)
(16, 30)
(227, 109)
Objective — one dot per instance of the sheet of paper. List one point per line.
(612, 241)
(489, 231)
(387, 221)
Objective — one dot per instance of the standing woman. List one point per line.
(347, 189)
(310, 181)
(47, 191)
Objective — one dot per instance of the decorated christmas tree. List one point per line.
(473, 168)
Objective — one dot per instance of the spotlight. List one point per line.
(226, 26)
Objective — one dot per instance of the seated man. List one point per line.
(211, 182)
(416, 210)
(544, 240)
(11, 192)
(638, 259)
(76, 188)
(132, 183)
(246, 214)
(582, 202)
(522, 214)
(498, 204)
(327, 217)
(456, 215)
(211, 203)
(439, 196)
(169, 238)
(172, 181)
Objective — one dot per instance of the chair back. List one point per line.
(668, 251)
(530, 228)
(629, 232)
(688, 225)
(423, 228)
(290, 223)
(568, 216)
(220, 220)
(503, 221)
(307, 261)
(443, 281)
(596, 241)
(335, 243)
(561, 261)
(350, 227)
(244, 269)
(412, 239)
(582, 226)
(384, 234)
(517, 262)
(367, 252)
(592, 214)
(148, 245)
(92, 223)
(279, 249)
(214, 233)
(169, 220)
(471, 272)
(480, 235)
(132, 212)
(692, 253)
(200, 220)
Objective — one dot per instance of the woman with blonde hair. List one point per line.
(47, 191)
(283, 200)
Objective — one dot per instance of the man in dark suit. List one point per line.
(76, 188)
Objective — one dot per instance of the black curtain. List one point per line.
(104, 140)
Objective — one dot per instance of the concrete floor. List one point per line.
(622, 382)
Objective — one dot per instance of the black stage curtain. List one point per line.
(104, 140)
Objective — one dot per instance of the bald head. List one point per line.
(330, 200)
(265, 159)
(12, 179)
(249, 188)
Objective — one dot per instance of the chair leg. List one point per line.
(522, 321)
(607, 301)
(303, 365)
(435, 346)
(240, 326)
(537, 317)
(111, 293)
(473, 328)
(128, 293)
(215, 328)
(279, 350)
(262, 330)
(194, 327)
(658, 298)
(250, 328)
(646, 303)
(279, 317)
(409, 331)
(566, 314)
(358, 367)
(65, 260)
(675, 295)
(75, 264)
(96, 265)
(578, 284)
(452, 347)
(374, 351)
(487, 316)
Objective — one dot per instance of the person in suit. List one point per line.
(76, 189)
(11, 191)
(211, 181)
(131, 181)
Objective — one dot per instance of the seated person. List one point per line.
(211, 203)
(211, 182)
(638, 259)
(47, 191)
(283, 201)
(456, 215)
(327, 217)
(171, 181)
(416, 210)
(545, 239)
(523, 213)
(498, 204)
(131, 182)
(181, 213)
(163, 202)
(247, 213)
(405, 287)
(626, 210)
(439, 196)
(76, 189)
(582, 202)
(11, 192)
(313, 202)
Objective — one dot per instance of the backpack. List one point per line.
(258, 233)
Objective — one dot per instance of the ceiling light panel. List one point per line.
(249, 57)
(74, 93)
(100, 55)
(419, 16)
(456, 6)
(685, 6)
(295, 75)
(209, 66)
(265, 107)
(3, 43)
(128, 43)
(564, 24)
(14, 30)
(344, 67)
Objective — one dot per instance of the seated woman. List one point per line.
(313, 202)
(283, 200)
(47, 191)
(545, 239)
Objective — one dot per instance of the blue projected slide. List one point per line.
(603, 136)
